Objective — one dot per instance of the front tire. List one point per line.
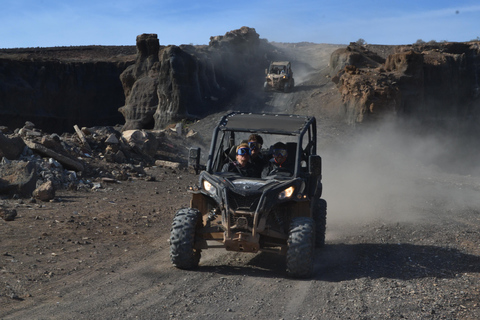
(300, 251)
(182, 239)
(320, 217)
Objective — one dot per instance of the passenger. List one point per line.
(242, 163)
(255, 142)
(277, 164)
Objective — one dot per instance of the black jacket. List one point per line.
(248, 170)
(273, 168)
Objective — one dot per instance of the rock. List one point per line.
(169, 164)
(52, 142)
(11, 148)
(141, 141)
(65, 161)
(112, 139)
(25, 132)
(18, 177)
(8, 214)
(29, 125)
(179, 128)
(44, 192)
(191, 133)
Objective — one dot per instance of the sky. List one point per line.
(50, 23)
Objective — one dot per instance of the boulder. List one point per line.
(11, 148)
(141, 141)
(8, 214)
(45, 192)
(18, 177)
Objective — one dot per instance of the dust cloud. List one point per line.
(396, 173)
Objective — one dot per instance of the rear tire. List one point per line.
(319, 213)
(182, 239)
(300, 251)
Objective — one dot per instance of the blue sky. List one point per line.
(48, 23)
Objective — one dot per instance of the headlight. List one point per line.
(209, 187)
(287, 193)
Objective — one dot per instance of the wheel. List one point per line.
(265, 86)
(319, 213)
(286, 87)
(182, 239)
(300, 251)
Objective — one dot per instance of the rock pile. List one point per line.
(33, 164)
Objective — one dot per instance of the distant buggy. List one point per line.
(279, 76)
(283, 213)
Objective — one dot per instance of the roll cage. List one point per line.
(301, 131)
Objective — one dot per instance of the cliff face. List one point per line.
(428, 82)
(57, 88)
(56, 91)
(176, 82)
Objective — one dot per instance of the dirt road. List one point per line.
(105, 255)
(403, 241)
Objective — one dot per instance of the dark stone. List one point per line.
(18, 177)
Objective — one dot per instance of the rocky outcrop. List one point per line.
(167, 84)
(428, 82)
(59, 87)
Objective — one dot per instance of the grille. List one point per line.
(239, 202)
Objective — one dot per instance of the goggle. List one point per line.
(255, 145)
(243, 151)
(279, 152)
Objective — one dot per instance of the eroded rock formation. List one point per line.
(167, 84)
(429, 82)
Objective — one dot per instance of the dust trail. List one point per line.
(393, 173)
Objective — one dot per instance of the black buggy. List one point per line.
(281, 213)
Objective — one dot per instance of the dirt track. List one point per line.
(403, 241)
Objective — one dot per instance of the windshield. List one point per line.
(227, 141)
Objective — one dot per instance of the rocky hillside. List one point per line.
(150, 86)
(433, 83)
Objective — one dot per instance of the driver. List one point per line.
(242, 164)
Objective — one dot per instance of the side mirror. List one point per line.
(194, 159)
(315, 165)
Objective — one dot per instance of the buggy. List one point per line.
(282, 213)
(279, 76)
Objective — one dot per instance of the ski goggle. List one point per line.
(243, 151)
(279, 152)
(254, 145)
